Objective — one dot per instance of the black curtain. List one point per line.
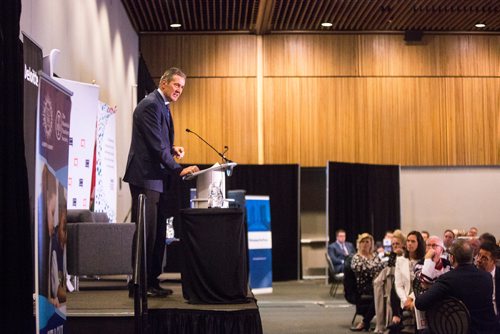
(363, 198)
(16, 274)
(145, 84)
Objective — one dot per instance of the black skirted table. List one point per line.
(213, 245)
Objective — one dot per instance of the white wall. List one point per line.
(437, 198)
(98, 44)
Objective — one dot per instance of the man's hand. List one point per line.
(189, 170)
(178, 151)
(430, 254)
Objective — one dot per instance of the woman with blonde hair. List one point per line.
(366, 265)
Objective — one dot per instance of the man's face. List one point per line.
(485, 261)
(434, 244)
(341, 237)
(448, 239)
(173, 89)
(472, 232)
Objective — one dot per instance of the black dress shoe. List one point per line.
(164, 290)
(156, 293)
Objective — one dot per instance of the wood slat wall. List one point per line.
(352, 98)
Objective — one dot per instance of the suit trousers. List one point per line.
(153, 235)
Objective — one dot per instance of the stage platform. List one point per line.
(103, 306)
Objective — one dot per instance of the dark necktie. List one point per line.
(170, 125)
(168, 116)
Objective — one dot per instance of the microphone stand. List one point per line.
(229, 170)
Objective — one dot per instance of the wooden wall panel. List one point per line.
(407, 121)
(310, 55)
(222, 111)
(353, 98)
(201, 55)
(437, 55)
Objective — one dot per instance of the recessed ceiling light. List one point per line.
(175, 25)
(480, 25)
(326, 24)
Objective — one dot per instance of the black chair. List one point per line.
(351, 294)
(449, 316)
(335, 278)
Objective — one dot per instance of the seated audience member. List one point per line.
(448, 238)
(384, 282)
(339, 250)
(468, 284)
(486, 261)
(432, 265)
(487, 237)
(404, 276)
(425, 235)
(472, 232)
(366, 265)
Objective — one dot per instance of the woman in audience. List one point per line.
(366, 265)
(405, 276)
(383, 285)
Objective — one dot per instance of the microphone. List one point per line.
(229, 171)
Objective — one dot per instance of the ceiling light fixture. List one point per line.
(175, 25)
(480, 25)
(326, 24)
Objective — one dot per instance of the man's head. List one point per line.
(487, 237)
(436, 244)
(487, 256)
(425, 235)
(461, 252)
(340, 235)
(472, 232)
(172, 83)
(448, 238)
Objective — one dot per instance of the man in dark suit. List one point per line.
(468, 284)
(151, 161)
(486, 260)
(339, 250)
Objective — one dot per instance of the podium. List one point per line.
(210, 178)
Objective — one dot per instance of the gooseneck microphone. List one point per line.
(222, 155)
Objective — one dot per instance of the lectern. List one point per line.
(211, 179)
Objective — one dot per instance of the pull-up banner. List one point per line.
(51, 183)
(259, 243)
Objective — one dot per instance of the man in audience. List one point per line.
(472, 232)
(486, 261)
(448, 238)
(433, 265)
(425, 235)
(339, 250)
(487, 237)
(468, 284)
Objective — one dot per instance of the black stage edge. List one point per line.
(108, 310)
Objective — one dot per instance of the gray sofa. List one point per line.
(96, 247)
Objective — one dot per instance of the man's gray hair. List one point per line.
(169, 74)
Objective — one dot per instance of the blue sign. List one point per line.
(259, 243)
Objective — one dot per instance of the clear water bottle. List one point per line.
(215, 197)
(170, 233)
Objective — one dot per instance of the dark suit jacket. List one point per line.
(497, 290)
(470, 285)
(150, 158)
(338, 256)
